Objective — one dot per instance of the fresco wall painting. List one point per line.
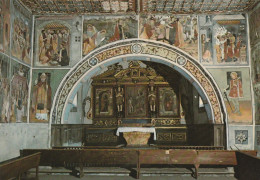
(41, 98)
(177, 30)
(53, 45)
(255, 58)
(5, 25)
(99, 31)
(4, 89)
(44, 85)
(19, 92)
(236, 92)
(21, 33)
(223, 39)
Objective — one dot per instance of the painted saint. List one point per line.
(4, 25)
(5, 93)
(235, 92)
(41, 102)
(19, 95)
(21, 46)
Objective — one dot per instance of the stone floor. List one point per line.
(111, 173)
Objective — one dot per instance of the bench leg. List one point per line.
(37, 173)
(196, 173)
(138, 166)
(138, 171)
(81, 171)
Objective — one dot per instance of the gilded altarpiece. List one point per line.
(134, 97)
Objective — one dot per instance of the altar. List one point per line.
(137, 136)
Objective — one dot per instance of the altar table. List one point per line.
(136, 135)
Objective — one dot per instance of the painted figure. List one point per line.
(206, 48)
(41, 103)
(54, 44)
(104, 102)
(119, 99)
(19, 95)
(21, 39)
(152, 99)
(235, 92)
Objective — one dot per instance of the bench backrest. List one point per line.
(172, 156)
(14, 168)
(60, 157)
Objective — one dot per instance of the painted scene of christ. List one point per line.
(178, 30)
(53, 45)
(98, 32)
(223, 39)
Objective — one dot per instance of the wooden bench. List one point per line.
(195, 158)
(15, 168)
(85, 157)
(137, 157)
(248, 166)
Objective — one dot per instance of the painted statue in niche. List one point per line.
(177, 30)
(5, 91)
(53, 45)
(21, 45)
(168, 102)
(41, 99)
(4, 25)
(19, 94)
(104, 102)
(98, 31)
(223, 39)
(136, 102)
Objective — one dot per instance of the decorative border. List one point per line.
(140, 47)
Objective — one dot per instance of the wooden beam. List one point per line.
(76, 7)
(217, 9)
(47, 5)
(173, 5)
(182, 6)
(39, 5)
(229, 4)
(58, 8)
(202, 3)
(193, 3)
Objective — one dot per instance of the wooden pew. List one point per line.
(138, 157)
(15, 168)
(248, 166)
(169, 157)
(85, 157)
(189, 157)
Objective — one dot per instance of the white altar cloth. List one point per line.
(137, 129)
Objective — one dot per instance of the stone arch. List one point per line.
(169, 55)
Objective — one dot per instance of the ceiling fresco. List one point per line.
(131, 6)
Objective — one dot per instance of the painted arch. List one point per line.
(169, 55)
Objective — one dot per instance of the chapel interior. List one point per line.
(131, 84)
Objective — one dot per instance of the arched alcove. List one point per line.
(150, 52)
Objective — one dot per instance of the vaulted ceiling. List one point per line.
(133, 6)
